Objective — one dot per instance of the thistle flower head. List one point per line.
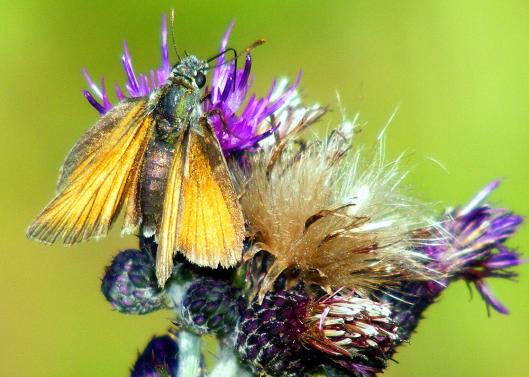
(238, 120)
(335, 220)
(474, 248)
(291, 332)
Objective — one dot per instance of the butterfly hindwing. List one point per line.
(99, 174)
(201, 217)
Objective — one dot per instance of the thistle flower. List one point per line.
(237, 127)
(475, 248)
(240, 132)
(357, 333)
(471, 248)
(130, 283)
(290, 333)
(330, 222)
(159, 359)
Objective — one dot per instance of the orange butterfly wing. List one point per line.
(98, 176)
(201, 216)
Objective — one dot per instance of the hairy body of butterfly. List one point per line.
(158, 158)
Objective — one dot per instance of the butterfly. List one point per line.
(158, 159)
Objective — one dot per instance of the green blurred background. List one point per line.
(458, 69)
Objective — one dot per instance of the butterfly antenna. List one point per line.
(236, 55)
(173, 37)
(257, 43)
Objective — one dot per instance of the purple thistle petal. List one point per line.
(106, 103)
(480, 197)
(243, 81)
(504, 259)
(135, 87)
(119, 93)
(227, 88)
(218, 73)
(93, 102)
(126, 61)
(166, 66)
(153, 79)
(488, 296)
(103, 107)
(144, 85)
(256, 139)
(93, 86)
(504, 226)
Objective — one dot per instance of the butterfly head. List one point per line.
(191, 69)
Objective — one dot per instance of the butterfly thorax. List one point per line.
(176, 108)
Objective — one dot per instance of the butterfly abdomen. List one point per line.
(155, 170)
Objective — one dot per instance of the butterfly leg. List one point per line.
(225, 127)
(207, 97)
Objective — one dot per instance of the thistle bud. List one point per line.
(268, 335)
(130, 283)
(210, 305)
(159, 359)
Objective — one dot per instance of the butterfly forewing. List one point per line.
(100, 136)
(201, 215)
(98, 175)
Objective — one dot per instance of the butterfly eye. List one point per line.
(200, 79)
